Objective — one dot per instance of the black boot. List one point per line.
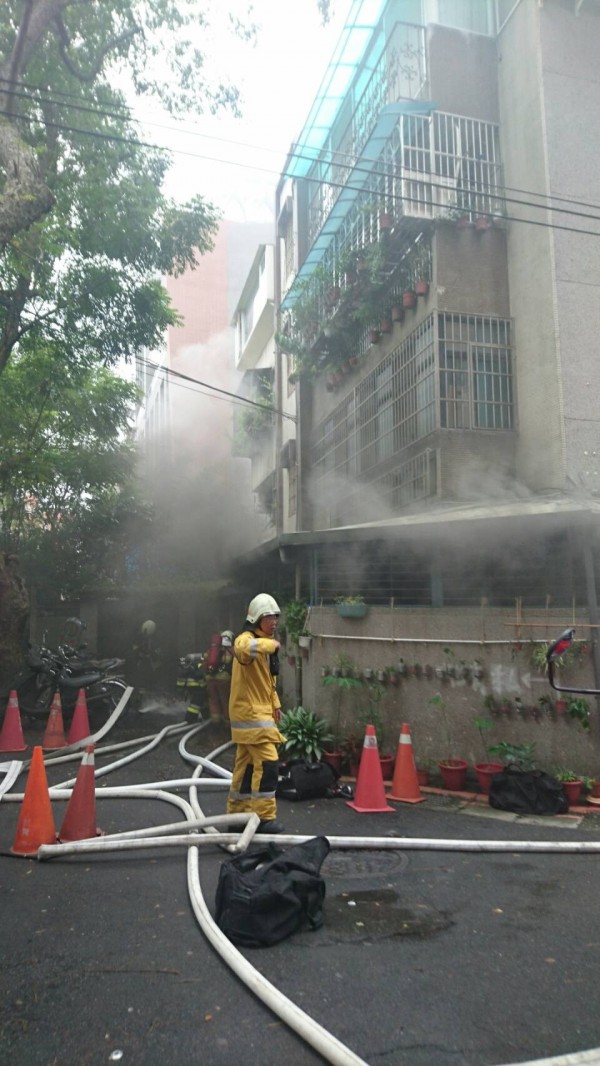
(270, 826)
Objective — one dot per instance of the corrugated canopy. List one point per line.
(363, 17)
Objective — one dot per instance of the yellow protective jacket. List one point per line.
(253, 698)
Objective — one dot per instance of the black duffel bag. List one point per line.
(303, 780)
(264, 896)
(527, 792)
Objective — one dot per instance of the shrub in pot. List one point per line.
(306, 734)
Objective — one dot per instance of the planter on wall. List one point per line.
(351, 610)
(397, 313)
(422, 287)
(409, 298)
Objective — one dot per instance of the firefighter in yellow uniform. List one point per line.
(254, 711)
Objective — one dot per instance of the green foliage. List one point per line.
(68, 494)
(294, 619)
(306, 734)
(567, 775)
(483, 725)
(579, 709)
(519, 755)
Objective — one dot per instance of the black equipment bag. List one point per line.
(527, 792)
(265, 896)
(303, 780)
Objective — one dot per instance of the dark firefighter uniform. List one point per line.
(191, 686)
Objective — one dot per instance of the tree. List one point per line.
(67, 472)
(85, 231)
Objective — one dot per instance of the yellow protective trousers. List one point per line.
(254, 780)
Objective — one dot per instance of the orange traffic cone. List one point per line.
(54, 737)
(405, 786)
(80, 726)
(36, 821)
(11, 737)
(80, 817)
(370, 793)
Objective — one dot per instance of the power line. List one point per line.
(332, 156)
(341, 185)
(213, 388)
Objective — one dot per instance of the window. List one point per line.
(475, 360)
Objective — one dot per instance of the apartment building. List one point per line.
(436, 289)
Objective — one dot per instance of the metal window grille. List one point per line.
(453, 372)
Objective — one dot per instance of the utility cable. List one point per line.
(369, 172)
(334, 157)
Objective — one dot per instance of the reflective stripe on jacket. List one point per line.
(253, 698)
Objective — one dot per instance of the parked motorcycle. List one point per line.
(66, 671)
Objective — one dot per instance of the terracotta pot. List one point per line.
(409, 298)
(485, 772)
(454, 773)
(334, 758)
(422, 287)
(387, 767)
(595, 789)
(385, 326)
(397, 313)
(572, 790)
(422, 778)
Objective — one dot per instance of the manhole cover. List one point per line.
(361, 864)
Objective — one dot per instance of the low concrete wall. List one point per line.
(431, 638)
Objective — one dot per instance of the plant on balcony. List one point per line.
(256, 419)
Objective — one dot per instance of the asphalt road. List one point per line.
(426, 957)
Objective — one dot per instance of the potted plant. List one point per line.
(453, 771)
(579, 709)
(371, 715)
(351, 749)
(295, 614)
(306, 734)
(572, 785)
(518, 755)
(485, 770)
(344, 684)
(351, 606)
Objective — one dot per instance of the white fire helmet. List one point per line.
(261, 605)
(227, 638)
(149, 628)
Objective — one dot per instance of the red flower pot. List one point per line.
(454, 773)
(572, 790)
(387, 767)
(485, 772)
(422, 778)
(334, 758)
(422, 288)
(409, 298)
(397, 313)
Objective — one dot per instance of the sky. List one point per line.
(279, 78)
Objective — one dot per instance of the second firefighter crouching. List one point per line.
(217, 667)
(191, 686)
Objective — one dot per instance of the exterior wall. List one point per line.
(470, 271)
(433, 637)
(570, 50)
(462, 73)
(531, 254)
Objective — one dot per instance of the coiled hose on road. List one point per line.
(169, 835)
